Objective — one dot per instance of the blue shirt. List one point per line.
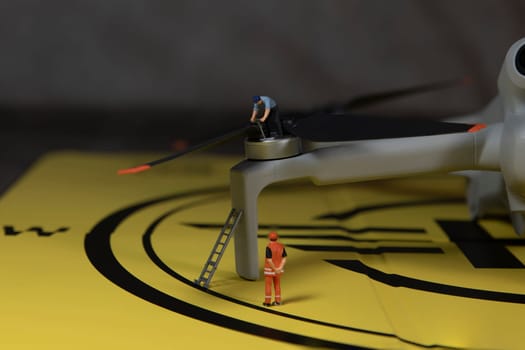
(267, 101)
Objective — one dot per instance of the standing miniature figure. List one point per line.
(273, 268)
(270, 123)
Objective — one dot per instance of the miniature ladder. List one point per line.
(218, 249)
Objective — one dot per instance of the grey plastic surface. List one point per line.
(355, 161)
(499, 147)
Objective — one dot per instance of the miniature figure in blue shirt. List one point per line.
(271, 123)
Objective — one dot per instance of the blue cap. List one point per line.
(256, 99)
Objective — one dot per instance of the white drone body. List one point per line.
(492, 156)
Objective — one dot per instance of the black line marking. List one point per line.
(320, 227)
(9, 230)
(346, 229)
(341, 238)
(41, 232)
(395, 280)
(98, 250)
(377, 250)
(510, 241)
(478, 246)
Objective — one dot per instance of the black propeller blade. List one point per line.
(375, 98)
(201, 146)
(350, 127)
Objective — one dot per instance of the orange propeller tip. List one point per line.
(477, 127)
(134, 170)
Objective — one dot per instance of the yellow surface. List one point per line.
(52, 295)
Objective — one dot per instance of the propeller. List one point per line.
(350, 127)
(375, 98)
(370, 99)
(201, 146)
(322, 125)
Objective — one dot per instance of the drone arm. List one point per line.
(355, 161)
(378, 159)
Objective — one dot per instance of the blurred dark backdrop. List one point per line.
(118, 75)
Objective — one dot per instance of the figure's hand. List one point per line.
(253, 117)
(265, 115)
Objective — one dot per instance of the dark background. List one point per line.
(125, 75)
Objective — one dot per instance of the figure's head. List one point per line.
(273, 236)
(256, 98)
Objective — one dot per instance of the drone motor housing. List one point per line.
(272, 148)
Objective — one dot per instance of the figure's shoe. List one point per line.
(276, 303)
(267, 304)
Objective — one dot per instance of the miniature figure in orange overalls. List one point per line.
(273, 268)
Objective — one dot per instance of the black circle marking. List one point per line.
(98, 250)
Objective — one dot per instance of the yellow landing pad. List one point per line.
(92, 260)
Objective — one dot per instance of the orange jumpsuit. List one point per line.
(276, 252)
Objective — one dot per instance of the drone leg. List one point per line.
(245, 188)
(517, 212)
(518, 222)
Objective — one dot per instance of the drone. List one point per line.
(330, 146)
